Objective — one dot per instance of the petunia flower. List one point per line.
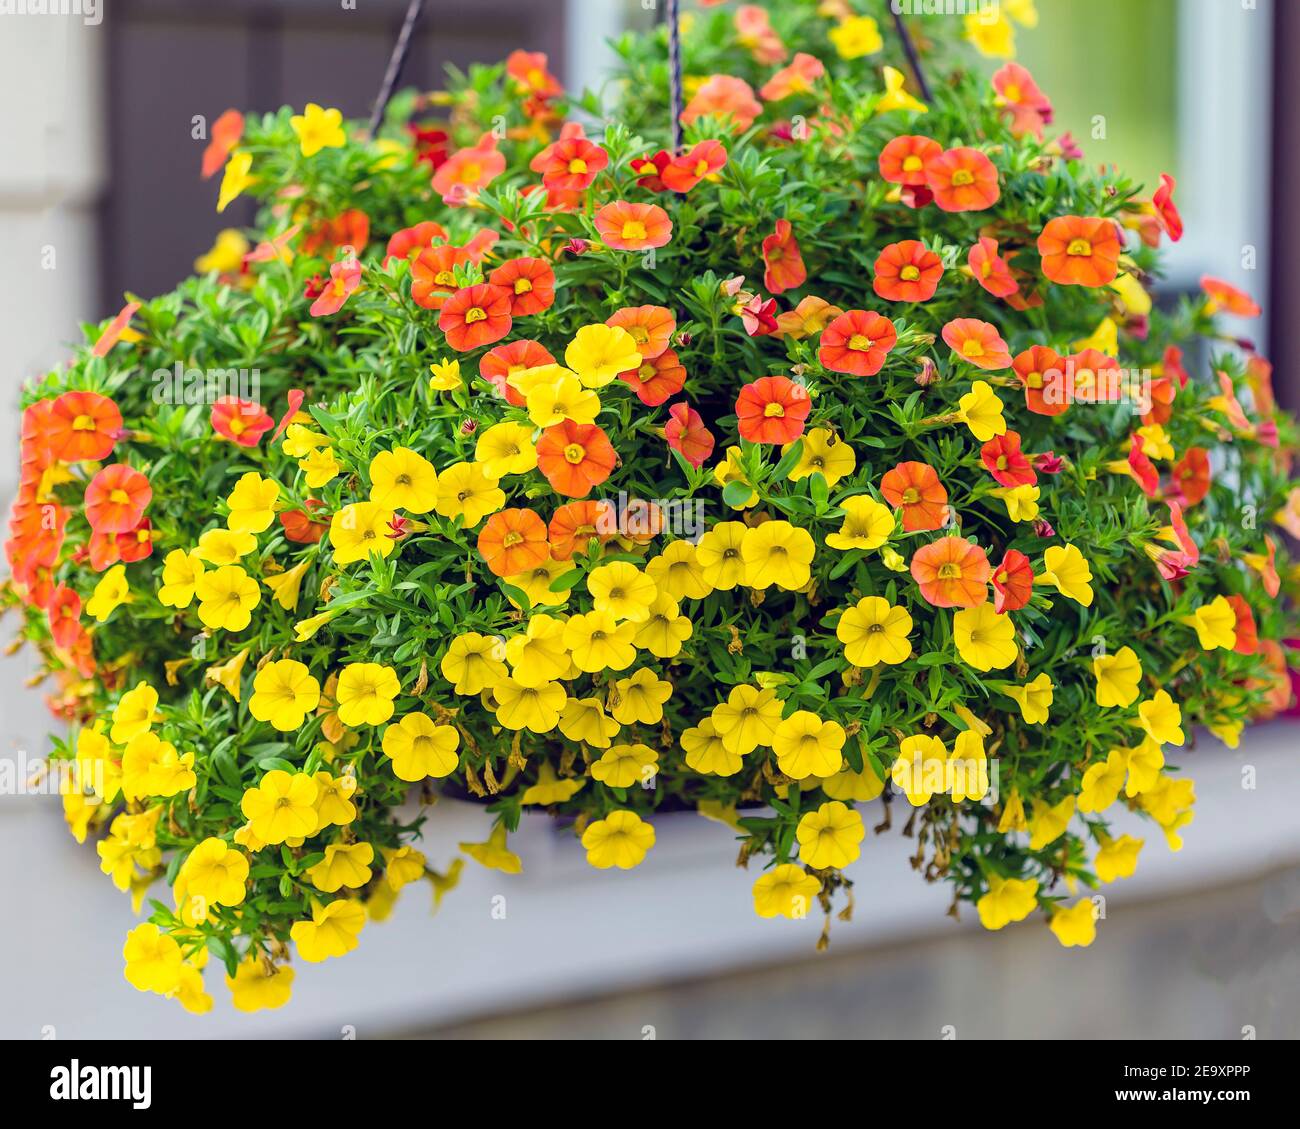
(1080, 250)
(1165, 209)
(572, 164)
(907, 271)
(223, 137)
(460, 178)
(513, 541)
(626, 226)
(990, 270)
(345, 280)
(686, 433)
(116, 498)
(903, 160)
(797, 77)
(241, 421)
(1191, 477)
(783, 260)
(1013, 582)
(476, 316)
(772, 410)
(915, 488)
(704, 159)
(952, 573)
(962, 180)
(1006, 462)
(1224, 296)
(977, 343)
(81, 426)
(857, 342)
(726, 97)
(1020, 96)
(236, 179)
(575, 457)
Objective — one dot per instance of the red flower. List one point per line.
(137, 543)
(857, 342)
(466, 171)
(529, 71)
(772, 410)
(907, 271)
(1080, 250)
(1006, 462)
(530, 282)
(1095, 378)
(345, 280)
(962, 180)
(299, 526)
(977, 343)
(475, 316)
(1166, 212)
(64, 611)
(658, 379)
(686, 433)
(116, 328)
(225, 135)
(1191, 477)
(991, 270)
(915, 488)
(903, 160)
(758, 316)
(797, 78)
(433, 274)
(1142, 468)
(411, 240)
(575, 457)
(1048, 386)
(1247, 632)
(633, 227)
(572, 164)
(513, 541)
(1013, 582)
(1019, 93)
(116, 499)
(347, 229)
(241, 421)
(81, 425)
(501, 363)
(781, 256)
(649, 170)
(681, 174)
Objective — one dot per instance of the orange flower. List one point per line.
(781, 257)
(681, 174)
(433, 278)
(797, 78)
(651, 327)
(772, 409)
(724, 96)
(907, 271)
(633, 227)
(952, 573)
(1166, 211)
(990, 269)
(1247, 632)
(64, 612)
(962, 180)
(1019, 93)
(1006, 462)
(116, 328)
(1224, 296)
(530, 283)
(1013, 582)
(299, 526)
(916, 490)
(81, 425)
(467, 171)
(347, 229)
(574, 457)
(977, 343)
(1080, 250)
(903, 160)
(1094, 378)
(857, 342)
(241, 421)
(225, 135)
(572, 164)
(505, 361)
(345, 279)
(754, 31)
(475, 316)
(116, 499)
(658, 379)
(408, 242)
(531, 76)
(686, 433)
(1048, 384)
(1191, 477)
(513, 541)
(574, 524)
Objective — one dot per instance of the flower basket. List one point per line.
(838, 451)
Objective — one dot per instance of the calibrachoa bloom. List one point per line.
(907, 272)
(476, 316)
(857, 342)
(916, 490)
(772, 410)
(1079, 250)
(784, 263)
(633, 227)
(962, 180)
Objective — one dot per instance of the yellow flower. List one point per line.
(468, 491)
(1117, 676)
(334, 806)
(622, 766)
(506, 448)
(494, 854)
(228, 674)
(318, 129)
(109, 594)
(215, 872)
(181, 571)
(550, 789)
(97, 768)
(281, 806)
(805, 745)
(779, 553)
(1118, 859)
(224, 547)
(535, 708)
(598, 353)
(985, 640)
(331, 932)
(823, 453)
(867, 524)
(622, 591)
(359, 529)
(304, 629)
(300, 441)
(252, 503)
(284, 693)
(1102, 782)
(227, 597)
(319, 466)
(342, 865)
(921, 769)
(537, 655)
(189, 992)
(994, 37)
(855, 37)
(1021, 501)
(134, 713)
(705, 752)
(621, 839)
(855, 787)
(551, 402)
(729, 470)
(1215, 624)
(536, 583)
(1049, 821)
(747, 719)
(235, 179)
(287, 586)
(598, 642)
(719, 556)
(968, 776)
(1076, 925)
(1162, 719)
(1013, 815)
(226, 255)
(1034, 699)
(829, 836)
(665, 630)
(1144, 765)
(153, 960)
(1022, 11)
(1156, 443)
(677, 571)
(474, 663)
(403, 866)
(365, 693)
(981, 411)
(893, 559)
(123, 856)
(152, 767)
(258, 985)
(875, 631)
(446, 375)
(896, 96)
(786, 890)
(1065, 567)
(641, 698)
(402, 480)
(1008, 900)
(1169, 803)
(585, 719)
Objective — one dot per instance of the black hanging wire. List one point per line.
(909, 49)
(396, 62)
(674, 73)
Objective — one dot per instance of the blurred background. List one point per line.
(99, 193)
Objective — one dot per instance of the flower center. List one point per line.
(633, 229)
(971, 347)
(577, 165)
(83, 423)
(911, 496)
(120, 498)
(961, 178)
(1079, 247)
(574, 453)
(511, 539)
(774, 411)
(523, 286)
(912, 163)
(909, 273)
(445, 278)
(950, 571)
(859, 343)
(473, 314)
